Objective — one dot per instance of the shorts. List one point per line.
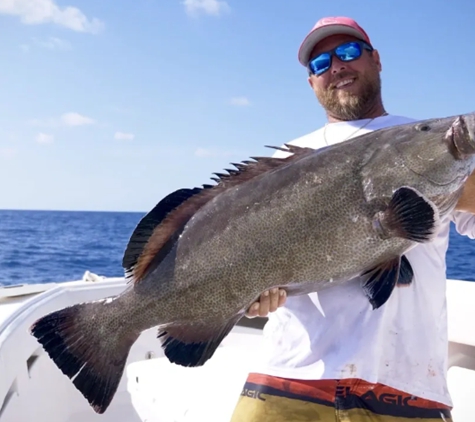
(271, 399)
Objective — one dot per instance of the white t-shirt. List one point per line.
(336, 334)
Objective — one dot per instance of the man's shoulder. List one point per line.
(313, 140)
(395, 119)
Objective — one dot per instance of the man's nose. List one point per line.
(337, 66)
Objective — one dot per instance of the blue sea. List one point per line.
(55, 246)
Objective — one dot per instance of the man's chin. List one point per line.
(348, 108)
(348, 102)
(344, 104)
(348, 94)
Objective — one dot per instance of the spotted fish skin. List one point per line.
(304, 223)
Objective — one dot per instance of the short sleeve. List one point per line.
(464, 223)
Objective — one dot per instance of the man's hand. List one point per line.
(467, 200)
(268, 302)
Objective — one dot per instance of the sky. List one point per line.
(105, 106)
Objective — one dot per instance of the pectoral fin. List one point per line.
(409, 215)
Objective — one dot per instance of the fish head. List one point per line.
(440, 151)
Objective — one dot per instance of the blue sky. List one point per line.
(108, 106)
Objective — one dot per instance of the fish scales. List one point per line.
(275, 231)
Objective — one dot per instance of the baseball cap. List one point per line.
(326, 27)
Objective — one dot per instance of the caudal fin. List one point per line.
(76, 341)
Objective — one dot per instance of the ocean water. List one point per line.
(55, 246)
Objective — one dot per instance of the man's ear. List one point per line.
(377, 59)
(310, 81)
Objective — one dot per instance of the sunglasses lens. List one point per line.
(345, 52)
(348, 52)
(320, 63)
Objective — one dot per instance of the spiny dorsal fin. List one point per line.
(176, 219)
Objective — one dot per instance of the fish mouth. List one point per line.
(446, 203)
(461, 136)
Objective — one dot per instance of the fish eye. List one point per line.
(423, 127)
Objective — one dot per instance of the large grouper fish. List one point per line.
(304, 222)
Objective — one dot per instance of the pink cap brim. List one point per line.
(318, 34)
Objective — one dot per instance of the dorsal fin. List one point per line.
(159, 227)
(152, 219)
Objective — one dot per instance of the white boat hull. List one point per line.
(32, 388)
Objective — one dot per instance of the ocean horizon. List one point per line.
(41, 246)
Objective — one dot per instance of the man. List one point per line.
(329, 356)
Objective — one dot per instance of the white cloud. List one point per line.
(67, 119)
(209, 7)
(124, 136)
(35, 12)
(76, 119)
(240, 101)
(43, 138)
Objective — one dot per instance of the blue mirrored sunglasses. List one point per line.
(346, 52)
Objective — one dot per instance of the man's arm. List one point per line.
(466, 202)
(464, 223)
(464, 214)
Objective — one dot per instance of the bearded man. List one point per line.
(330, 356)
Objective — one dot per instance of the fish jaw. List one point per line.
(461, 135)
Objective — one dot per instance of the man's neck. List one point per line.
(376, 111)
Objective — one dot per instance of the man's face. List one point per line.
(350, 101)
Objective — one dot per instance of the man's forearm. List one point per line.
(467, 200)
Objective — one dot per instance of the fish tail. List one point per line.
(82, 344)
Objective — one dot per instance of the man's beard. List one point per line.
(352, 106)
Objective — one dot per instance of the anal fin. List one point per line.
(194, 344)
(409, 215)
(383, 278)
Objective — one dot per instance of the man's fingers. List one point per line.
(282, 298)
(269, 301)
(261, 307)
(253, 310)
(264, 301)
(273, 300)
